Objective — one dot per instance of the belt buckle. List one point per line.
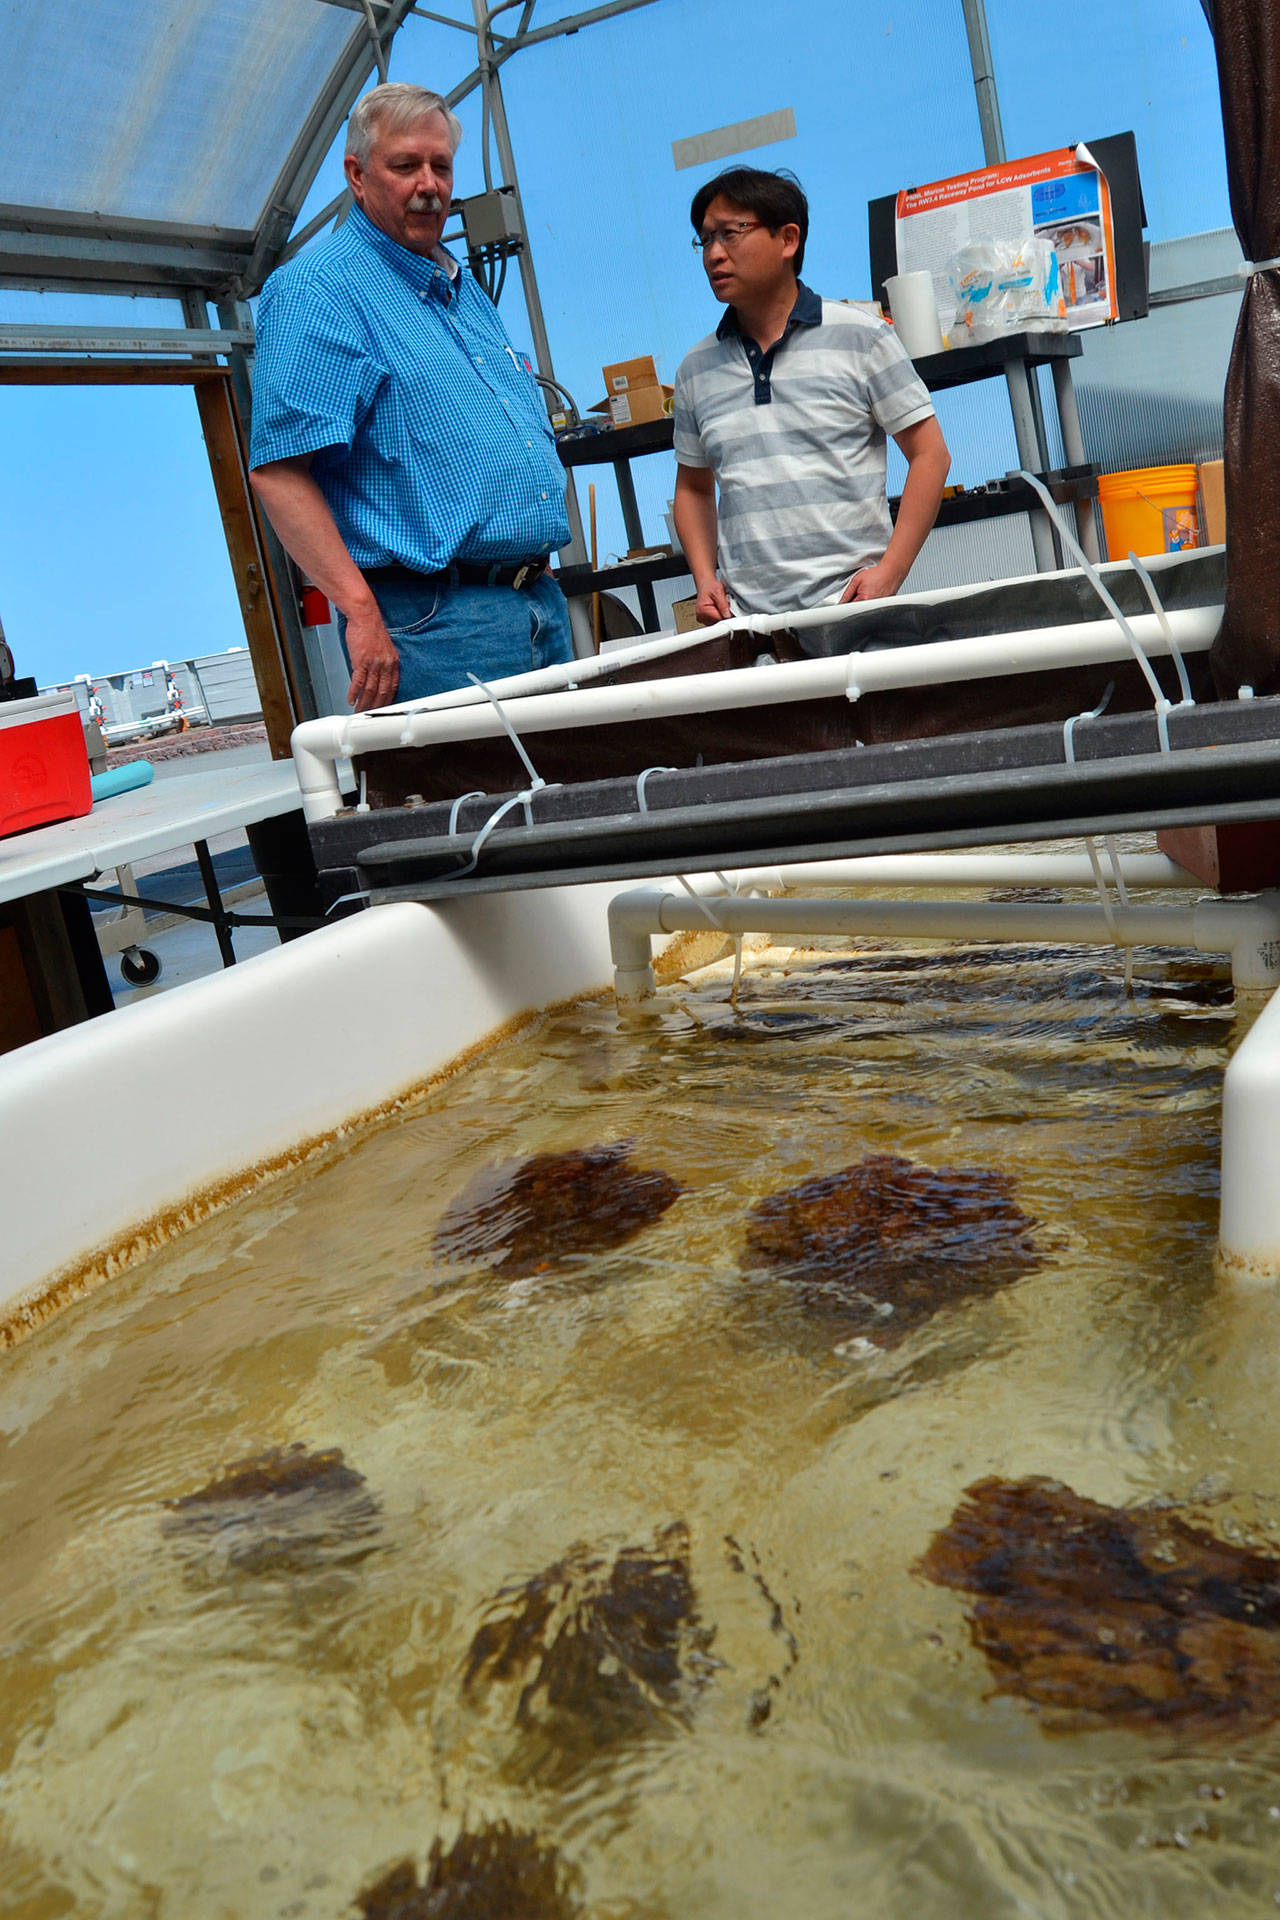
(525, 572)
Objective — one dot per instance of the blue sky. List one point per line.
(111, 552)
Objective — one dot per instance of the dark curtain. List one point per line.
(1247, 652)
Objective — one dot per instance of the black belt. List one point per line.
(462, 573)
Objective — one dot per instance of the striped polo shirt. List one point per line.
(796, 440)
(430, 437)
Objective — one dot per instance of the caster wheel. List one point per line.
(139, 967)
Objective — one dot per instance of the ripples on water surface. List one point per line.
(261, 1718)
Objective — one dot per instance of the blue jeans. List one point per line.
(444, 633)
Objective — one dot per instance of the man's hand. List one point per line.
(880, 582)
(712, 603)
(375, 664)
(300, 515)
(694, 512)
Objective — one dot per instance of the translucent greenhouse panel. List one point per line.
(181, 112)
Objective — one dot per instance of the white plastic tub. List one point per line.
(112, 1131)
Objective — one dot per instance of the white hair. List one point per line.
(392, 108)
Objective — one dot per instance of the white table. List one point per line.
(182, 810)
(187, 809)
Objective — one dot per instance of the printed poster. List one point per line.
(1061, 196)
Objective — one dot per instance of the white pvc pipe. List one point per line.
(1249, 931)
(657, 646)
(318, 744)
(1249, 1214)
(961, 870)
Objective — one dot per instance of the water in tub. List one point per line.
(787, 1461)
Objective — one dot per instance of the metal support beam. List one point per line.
(121, 229)
(1197, 290)
(1030, 446)
(324, 218)
(88, 260)
(572, 23)
(195, 311)
(1073, 454)
(984, 81)
(497, 114)
(237, 317)
(199, 338)
(506, 159)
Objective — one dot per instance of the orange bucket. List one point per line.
(1149, 510)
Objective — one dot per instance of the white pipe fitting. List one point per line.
(963, 871)
(1248, 931)
(1249, 1207)
(633, 920)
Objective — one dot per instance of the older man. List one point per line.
(400, 445)
(786, 407)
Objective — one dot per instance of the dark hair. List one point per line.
(776, 199)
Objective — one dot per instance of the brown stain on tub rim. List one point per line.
(27, 1314)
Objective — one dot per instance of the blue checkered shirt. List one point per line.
(430, 437)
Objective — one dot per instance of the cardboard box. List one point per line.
(684, 612)
(623, 375)
(44, 763)
(635, 404)
(1213, 503)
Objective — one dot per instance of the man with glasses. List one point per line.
(400, 443)
(786, 408)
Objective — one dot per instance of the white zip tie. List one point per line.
(1107, 911)
(344, 738)
(1069, 726)
(1248, 268)
(363, 804)
(714, 918)
(737, 939)
(478, 842)
(1117, 876)
(535, 778)
(523, 799)
(737, 971)
(640, 780)
(477, 793)
(1108, 600)
(1113, 855)
(361, 893)
(1188, 698)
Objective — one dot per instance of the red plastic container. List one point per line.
(44, 762)
(316, 611)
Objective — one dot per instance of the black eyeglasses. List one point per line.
(727, 236)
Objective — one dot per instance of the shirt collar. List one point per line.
(807, 312)
(437, 274)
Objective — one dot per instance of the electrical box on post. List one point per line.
(491, 220)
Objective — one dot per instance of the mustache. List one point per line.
(426, 203)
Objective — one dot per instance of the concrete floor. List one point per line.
(188, 951)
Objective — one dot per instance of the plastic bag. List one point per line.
(1006, 286)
